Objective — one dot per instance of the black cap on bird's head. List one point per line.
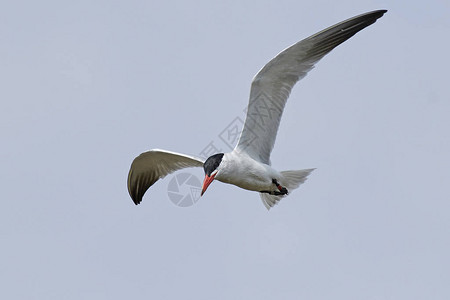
(210, 166)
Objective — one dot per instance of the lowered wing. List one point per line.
(150, 166)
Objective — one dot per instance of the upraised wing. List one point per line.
(272, 85)
(150, 166)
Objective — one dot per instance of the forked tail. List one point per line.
(291, 180)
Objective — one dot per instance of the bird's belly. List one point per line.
(255, 184)
(253, 177)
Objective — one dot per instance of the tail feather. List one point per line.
(270, 200)
(290, 180)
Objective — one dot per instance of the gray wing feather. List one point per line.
(272, 85)
(150, 166)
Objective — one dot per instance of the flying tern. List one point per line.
(248, 165)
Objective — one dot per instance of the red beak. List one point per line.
(206, 183)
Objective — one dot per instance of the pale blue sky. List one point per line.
(88, 85)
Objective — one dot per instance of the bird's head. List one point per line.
(211, 167)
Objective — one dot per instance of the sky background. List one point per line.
(88, 85)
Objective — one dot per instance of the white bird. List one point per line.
(248, 165)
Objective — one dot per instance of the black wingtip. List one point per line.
(136, 196)
(376, 13)
(136, 201)
(379, 12)
(134, 193)
(383, 11)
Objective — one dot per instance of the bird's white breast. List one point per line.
(245, 172)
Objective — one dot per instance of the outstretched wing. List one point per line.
(272, 85)
(150, 166)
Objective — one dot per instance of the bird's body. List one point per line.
(248, 165)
